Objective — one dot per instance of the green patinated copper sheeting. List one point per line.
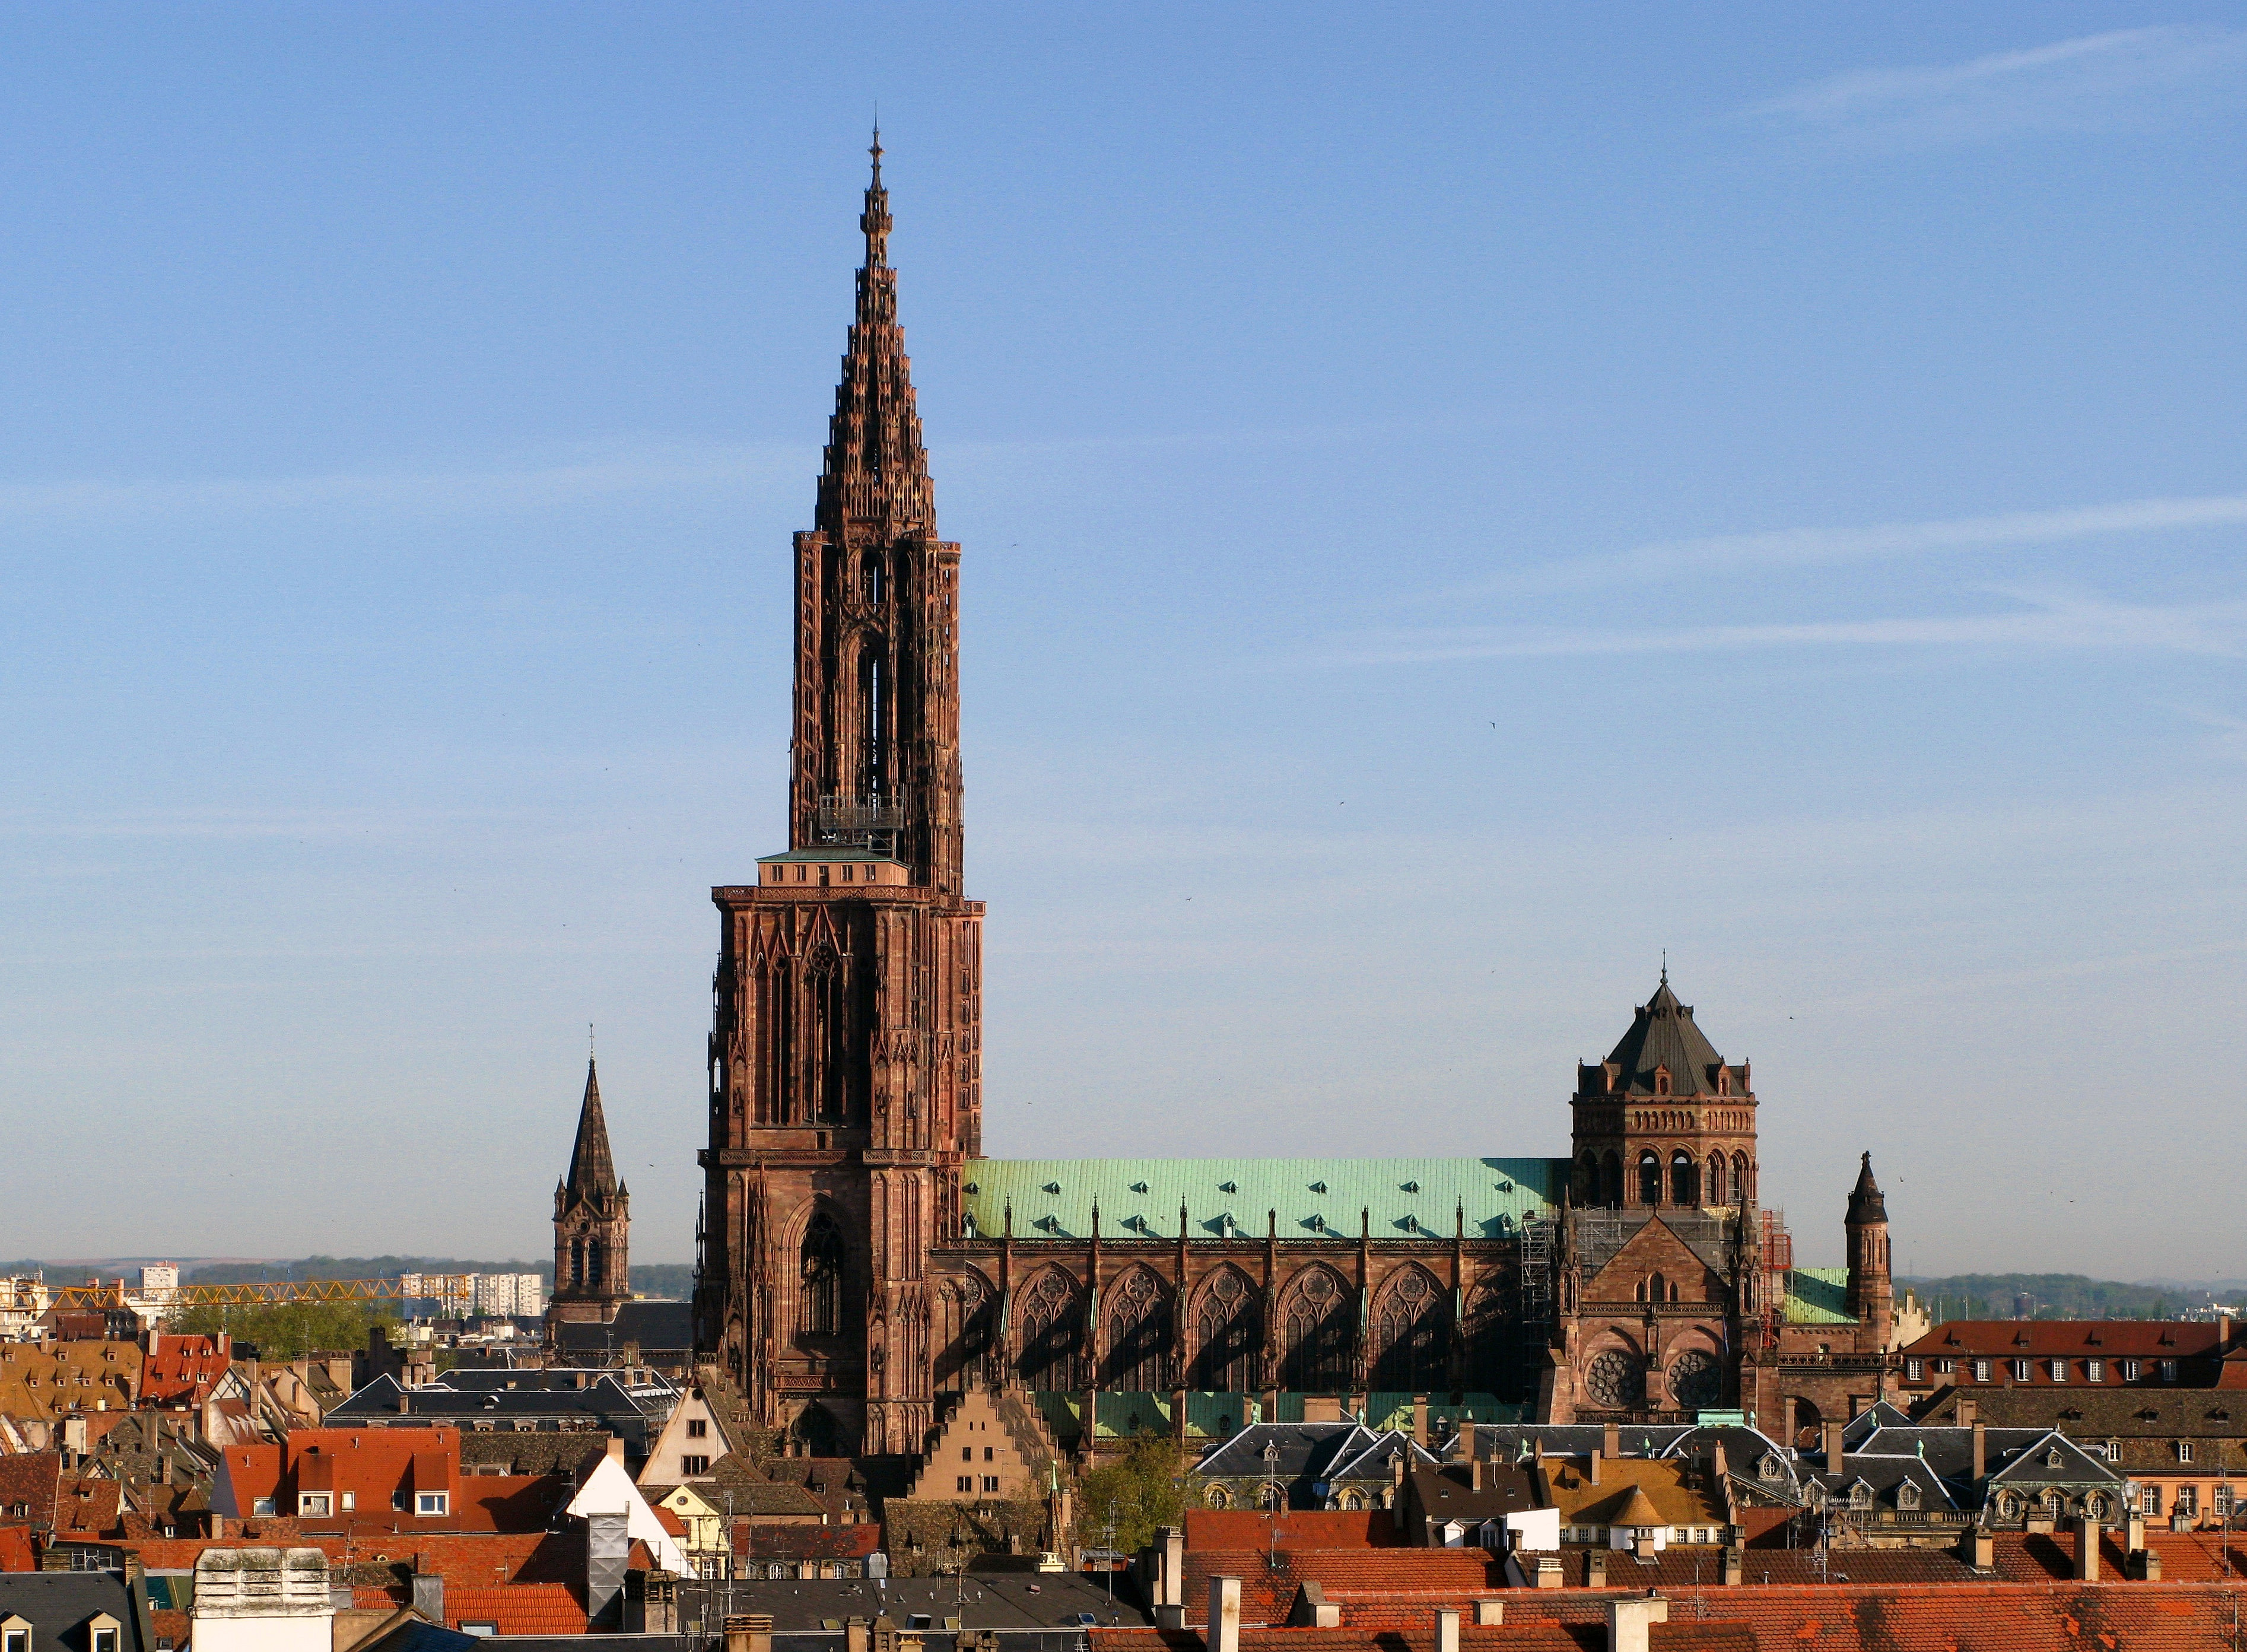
(1316, 1198)
(1816, 1296)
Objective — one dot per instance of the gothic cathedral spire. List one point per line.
(846, 1061)
(875, 748)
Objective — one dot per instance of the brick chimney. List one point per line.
(1834, 1457)
(1420, 1421)
(1611, 1439)
(1981, 1452)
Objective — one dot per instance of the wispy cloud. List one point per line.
(529, 486)
(2126, 77)
(2039, 621)
(1799, 546)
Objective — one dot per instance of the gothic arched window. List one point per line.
(597, 1264)
(1685, 1179)
(819, 1305)
(1587, 1178)
(1412, 1333)
(871, 580)
(1649, 1179)
(1052, 1337)
(1717, 1179)
(577, 1262)
(1138, 1333)
(1743, 1190)
(1225, 1333)
(1611, 1181)
(963, 1331)
(1315, 1326)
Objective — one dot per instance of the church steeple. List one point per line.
(592, 1173)
(876, 474)
(876, 752)
(592, 1221)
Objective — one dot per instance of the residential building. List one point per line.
(1979, 1355)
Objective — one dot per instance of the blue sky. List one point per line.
(1456, 503)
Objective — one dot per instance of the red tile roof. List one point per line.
(518, 1608)
(16, 1552)
(1320, 1529)
(1367, 1576)
(2054, 1339)
(1980, 1617)
(770, 1542)
(484, 1560)
(85, 1507)
(2187, 1557)
(183, 1368)
(29, 1481)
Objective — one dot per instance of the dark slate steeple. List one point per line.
(1865, 1204)
(592, 1173)
(1662, 1034)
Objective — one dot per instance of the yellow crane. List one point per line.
(445, 1287)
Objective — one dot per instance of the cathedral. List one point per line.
(861, 1263)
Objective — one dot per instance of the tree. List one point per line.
(1124, 1502)
(290, 1330)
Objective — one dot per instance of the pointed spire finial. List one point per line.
(876, 220)
(1665, 967)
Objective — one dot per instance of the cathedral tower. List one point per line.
(592, 1223)
(844, 1059)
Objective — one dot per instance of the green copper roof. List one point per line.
(1316, 1197)
(1816, 1295)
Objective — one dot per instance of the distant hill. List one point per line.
(2053, 1296)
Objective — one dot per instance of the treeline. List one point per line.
(2053, 1296)
(673, 1279)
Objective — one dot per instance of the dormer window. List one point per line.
(1724, 1081)
(1907, 1496)
(1768, 1471)
(1661, 1080)
(316, 1505)
(427, 1503)
(1860, 1496)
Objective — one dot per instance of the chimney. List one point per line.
(2148, 1565)
(1981, 1452)
(2086, 1550)
(2134, 1534)
(2222, 1333)
(1475, 1474)
(1735, 1566)
(1596, 1569)
(1592, 1469)
(1223, 1634)
(1488, 1612)
(617, 1450)
(1548, 1573)
(1978, 1549)
(856, 1634)
(1611, 1439)
(1447, 1631)
(1170, 1583)
(1396, 1470)
(1630, 1621)
(1834, 1458)
(1420, 1421)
